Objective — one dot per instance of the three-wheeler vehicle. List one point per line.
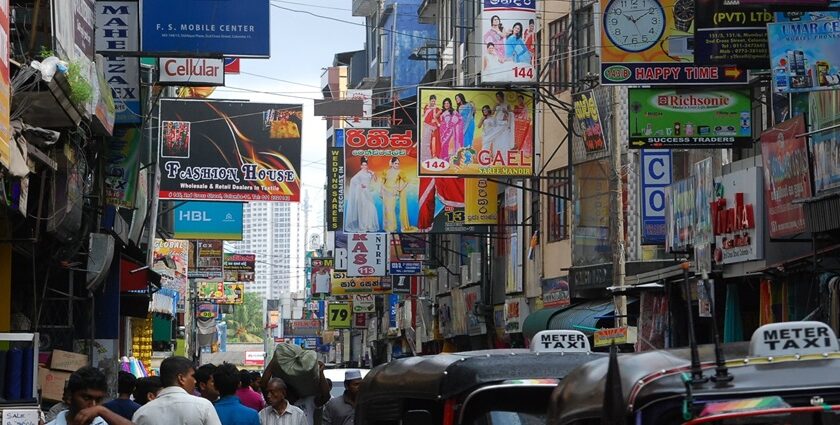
(789, 373)
(487, 387)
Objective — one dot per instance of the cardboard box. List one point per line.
(67, 361)
(52, 383)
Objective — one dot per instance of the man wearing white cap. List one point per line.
(339, 410)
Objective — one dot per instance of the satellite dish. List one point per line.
(100, 255)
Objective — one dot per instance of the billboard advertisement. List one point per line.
(656, 176)
(443, 207)
(824, 113)
(680, 215)
(402, 263)
(738, 219)
(367, 254)
(207, 259)
(728, 35)
(123, 167)
(380, 180)
(301, 327)
(556, 293)
(479, 132)
(787, 176)
(509, 41)
(217, 292)
(239, 267)
(200, 72)
(117, 32)
(588, 122)
(669, 118)
(480, 206)
(230, 151)
(207, 220)
(170, 261)
(322, 269)
(652, 43)
(335, 188)
(209, 28)
(342, 284)
(804, 55)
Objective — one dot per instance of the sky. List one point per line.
(302, 45)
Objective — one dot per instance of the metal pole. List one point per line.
(617, 222)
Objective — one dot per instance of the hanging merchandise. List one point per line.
(733, 330)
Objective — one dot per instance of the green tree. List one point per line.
(246, 323)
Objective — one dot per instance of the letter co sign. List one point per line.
(656, 175)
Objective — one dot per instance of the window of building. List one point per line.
(586, 46)
(557, 213)
(559, 66)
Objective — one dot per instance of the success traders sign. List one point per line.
(229, 151)
(668, 118)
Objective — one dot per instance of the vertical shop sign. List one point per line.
(787, 176)
(738, 219)
(588, 122)
(656, 176)
(367, 254)
(118, 32)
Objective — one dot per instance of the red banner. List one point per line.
(786, 176)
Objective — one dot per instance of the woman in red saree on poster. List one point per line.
(430, 134)
(450, 192)
(522, 126)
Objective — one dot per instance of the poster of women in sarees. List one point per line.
(380, 181)
(478, 132)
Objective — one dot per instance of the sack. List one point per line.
(298, 367)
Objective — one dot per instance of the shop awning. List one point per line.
(539, 320)
(580, 317)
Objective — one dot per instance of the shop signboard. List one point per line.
(442, 206)
(787, 176)
(475, 319)
(301, 327)
(201, 72)
(170, 261)
(509, 41)
(340, 243)
(380, 180)
(335, 187)
(232, 65)
(704, 192)
(239, 267)
(516, 310)
(622, 335)
(444, 315)
(804, 55)
(366, 96)
(230, 151)
(656, 176)
(208, 259)
(254, 358)
(727, 35)
(738, 217)
(117, 33)
(401, 284)
(556, 293)
(824, 114)
(588, 122)
(339, 316)
(652, 43)
(364, 303)
(680, 215)
(321, 272)
(5, 90)
(480, 206)
(197, 220)
(218, 292)
(341, 284)
(360, 321)
(208, 27)
(123, 166)
(367, 254)
(476, 132)
(670, 118)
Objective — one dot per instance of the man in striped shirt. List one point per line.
(279, 411)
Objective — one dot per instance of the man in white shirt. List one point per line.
(85, 390)
(176, 404)
(279, 411)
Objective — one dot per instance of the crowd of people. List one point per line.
(207, 395)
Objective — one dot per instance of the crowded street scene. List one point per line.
(419, 212)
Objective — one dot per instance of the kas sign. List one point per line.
(367, 254)
(208, 220)
(656, 176)
(192, 72)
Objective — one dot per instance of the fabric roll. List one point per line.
(733, 330)
(28, 374)
(14, 374)
(3, 361)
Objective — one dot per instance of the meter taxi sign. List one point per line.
(560, 341)
(790, 338)
(338, 316)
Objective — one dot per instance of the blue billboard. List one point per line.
(237, 28)
(208, 220)
(656, 176)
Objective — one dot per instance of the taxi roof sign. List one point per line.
(560, 341)
(790, 338)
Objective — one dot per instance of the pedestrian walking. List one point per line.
(86, 388)
(229, 407)
(123, 405)
(147, 389)
(175, 403)
(247, 395)
(205, 382)
(279, 410)
(341, 409)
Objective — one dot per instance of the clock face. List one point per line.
(634, 25)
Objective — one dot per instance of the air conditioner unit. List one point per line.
(100, 255)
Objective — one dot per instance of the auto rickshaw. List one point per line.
(789, 373)
(501, 386)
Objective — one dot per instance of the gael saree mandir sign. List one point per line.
(230, 151)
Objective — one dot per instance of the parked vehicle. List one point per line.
(506, 386)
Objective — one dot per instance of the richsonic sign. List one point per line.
(668, 118)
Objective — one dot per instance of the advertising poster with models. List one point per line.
(230, 151)
(478, 132)
(824, 113)
(171, 262)
(380, 180)
(509, 41)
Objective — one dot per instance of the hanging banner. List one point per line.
(668, 118)
(218, 292)
(364, 303)
(213, 27)
(208, 220)
(208, 259)
(367, 254)
(339, 316)
(680, 216)
(656, 176)
(380, 180)
(480, 206)
(5, 91)
(301, 327)
(588, 122)
(340, 243)
(824, 112)
(444, 315)
(335, 187)
(787, 176)
(123, 167)
(476, 132)
(804, 56)
(509, 41)
(556, 293)
(728, 35)
(341, 284)
(651, 42)
(516, 310)
(738, 219)
(704, 194)
(239, 267)
(230, 151)
(118, 32)
(321, 271)
(170, 261)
